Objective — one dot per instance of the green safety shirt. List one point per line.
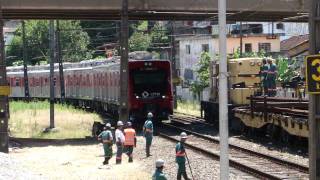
(106, 136)
(148, 128)
(272, 72)
(180, 153)
(158, 175)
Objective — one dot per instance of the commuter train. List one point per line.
(285, 115)
(96, 84)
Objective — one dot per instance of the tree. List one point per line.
(203, 74)
(140, 39)
(74, 42)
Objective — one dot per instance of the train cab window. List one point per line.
(155, 85)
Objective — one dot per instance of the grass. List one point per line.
(28, 120)
(188, 107)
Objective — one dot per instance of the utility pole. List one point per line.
(223, 93)
(25, 60)
(60, 60)
(123, 111)
(173, 64)
(52, 58)
(314, 100)
(241, 35)
(4, 104)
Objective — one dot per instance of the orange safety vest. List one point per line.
(130, 135)
(180, 154)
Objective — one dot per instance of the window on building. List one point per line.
(248, 47)
(265, 46)
(188, 50)
(205, 47)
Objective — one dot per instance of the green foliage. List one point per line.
(139, 41)
(203, 74)
(73, 42)
(236, 54)
(159, 34)
(286, 71)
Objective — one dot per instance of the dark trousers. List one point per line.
(119, 153)
(129, 151)
(182, 171)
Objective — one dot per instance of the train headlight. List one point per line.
(163, 97)
(137, 97)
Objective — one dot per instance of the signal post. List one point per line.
(313, 83)
(4, 92)
(124, 35)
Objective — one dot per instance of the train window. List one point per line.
(88, 80)
(106, 78)
(46, 80)
(17, 82)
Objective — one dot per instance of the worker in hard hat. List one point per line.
(148, 132)
(130, 140)
(271, 78)
(181, 157)
(158, 174)
(119, 141)
(107, 140)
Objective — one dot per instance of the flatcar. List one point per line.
(284, 115)
(96, 84)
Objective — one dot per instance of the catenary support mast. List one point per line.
(223, 93)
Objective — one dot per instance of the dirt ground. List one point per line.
(76, 161)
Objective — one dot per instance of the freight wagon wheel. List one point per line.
(274, 132)
(243, 129)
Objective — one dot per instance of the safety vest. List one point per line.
(130, 135)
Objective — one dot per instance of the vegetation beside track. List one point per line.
(28, 120)
(188, 107)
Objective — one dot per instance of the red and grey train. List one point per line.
(96, 84)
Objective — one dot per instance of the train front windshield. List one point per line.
(150, 84)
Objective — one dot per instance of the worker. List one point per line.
(271, 78)
(148, 132)
(107, 140)
(263, 76)
(119, 141)
(181, 157)
(158, 174)
(130, 140)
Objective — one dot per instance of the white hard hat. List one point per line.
(129, 123)
(108, 125)
(159, 163)
(119, 123)
(150, 114)
(183, 135)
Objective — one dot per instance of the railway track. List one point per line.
(258, 164)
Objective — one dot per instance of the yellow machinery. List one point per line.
(244, 79)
